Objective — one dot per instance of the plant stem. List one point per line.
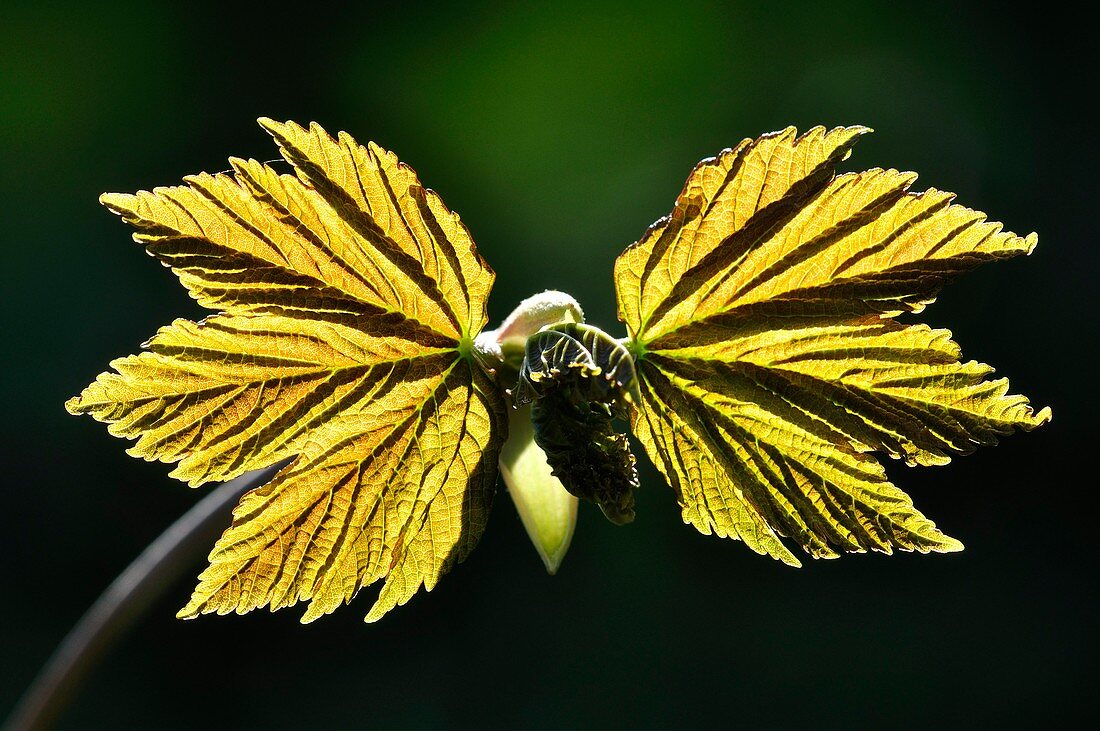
(158, 567)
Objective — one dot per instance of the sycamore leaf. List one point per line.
(761, 313)
(349, 298)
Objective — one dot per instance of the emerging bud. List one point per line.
(578, 379)
(547, 510)
(506, 344)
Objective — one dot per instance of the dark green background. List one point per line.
(559, 134)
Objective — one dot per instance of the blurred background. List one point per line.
(559, 132)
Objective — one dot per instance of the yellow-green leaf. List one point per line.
(349, 296)
(762, 313)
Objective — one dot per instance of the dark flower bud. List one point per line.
(578, 379)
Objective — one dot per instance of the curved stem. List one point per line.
(158, 567)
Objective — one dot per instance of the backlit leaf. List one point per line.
(348, 297)
(761, 312)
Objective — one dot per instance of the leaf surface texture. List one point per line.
(762, 311)
(347, 296)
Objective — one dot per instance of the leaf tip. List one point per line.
(789, 559)
(190, 610)
(276, 129)
(949, 545)
(116, 202)
(1030, 242)
(73, 405)
(318, 608)
(849, 135)
(376, 613)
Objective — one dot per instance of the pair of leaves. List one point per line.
(760, 316)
